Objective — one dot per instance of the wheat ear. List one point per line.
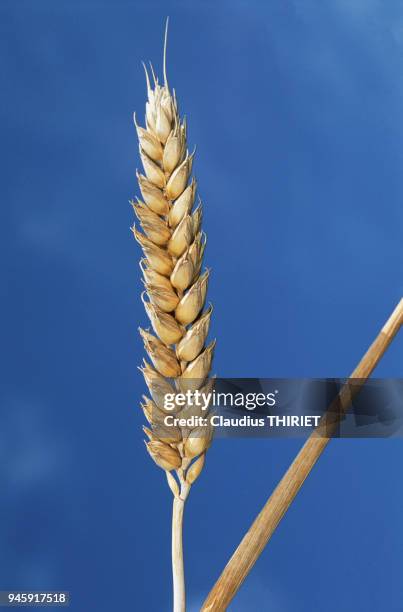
(174, 299)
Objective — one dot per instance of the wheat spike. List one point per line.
(174, 298)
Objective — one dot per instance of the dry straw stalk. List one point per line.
(256, 538)
(174, 298)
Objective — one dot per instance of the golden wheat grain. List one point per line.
(174, 298)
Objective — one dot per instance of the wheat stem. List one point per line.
(178, 572)
(178, 569)
(256, 538)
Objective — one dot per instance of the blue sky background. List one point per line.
(297, 111)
